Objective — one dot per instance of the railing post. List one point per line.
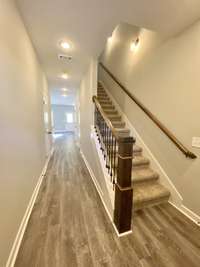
(123, 187)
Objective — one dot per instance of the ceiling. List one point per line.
(86, 24)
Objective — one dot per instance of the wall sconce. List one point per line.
(135, 45)
(110, 39)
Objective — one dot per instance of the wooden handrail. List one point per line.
(106, 119)
(171, 136)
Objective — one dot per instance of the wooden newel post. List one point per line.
(123, 187)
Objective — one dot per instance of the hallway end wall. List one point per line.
(22, 142)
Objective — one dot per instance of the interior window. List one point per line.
(69, 117)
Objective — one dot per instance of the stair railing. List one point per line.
(118, 153)
(163, 128)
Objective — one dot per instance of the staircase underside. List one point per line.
(147, 191)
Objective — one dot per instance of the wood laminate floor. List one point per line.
(69, 226)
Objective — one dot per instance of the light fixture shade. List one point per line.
(64, 44)
(64, 76)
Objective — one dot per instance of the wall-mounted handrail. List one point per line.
(171, 136)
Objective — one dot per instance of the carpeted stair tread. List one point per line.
(105, 102)
(136, 149)
(144, 175)
(123, 132)
(100, 91)
(118, 124)
(114, 117)
(139, 161)
(149, 193)
(108, 107)
(102, 94)
(103, 98)
(111, 111)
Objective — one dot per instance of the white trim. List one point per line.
(188, 213)
(18, 239)
(176, 197)
(125, 233)
(101, 196)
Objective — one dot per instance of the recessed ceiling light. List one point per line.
(64, 95)
(65, 45)
(64, 89)
(64, 76)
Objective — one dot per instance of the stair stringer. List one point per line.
(175, 197)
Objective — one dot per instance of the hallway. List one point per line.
(69, 226)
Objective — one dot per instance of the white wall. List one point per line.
(164, 75)
(88, 88)
(22, 141)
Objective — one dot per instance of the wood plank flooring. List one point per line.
(69, 226)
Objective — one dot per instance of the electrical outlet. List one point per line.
(196, 142)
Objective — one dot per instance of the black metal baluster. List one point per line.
(99, 128)
(107, 160)
(114, 163)
(102, 120)
(107, 130)
(95, 118)
(104, 139)
(110, 167)
(111, 157)
(98, 124)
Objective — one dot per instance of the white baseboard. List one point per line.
(101, 196)
(188, 213)
(18, 239)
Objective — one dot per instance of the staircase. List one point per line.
(147, 191)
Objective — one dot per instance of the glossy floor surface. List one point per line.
(69, 226)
